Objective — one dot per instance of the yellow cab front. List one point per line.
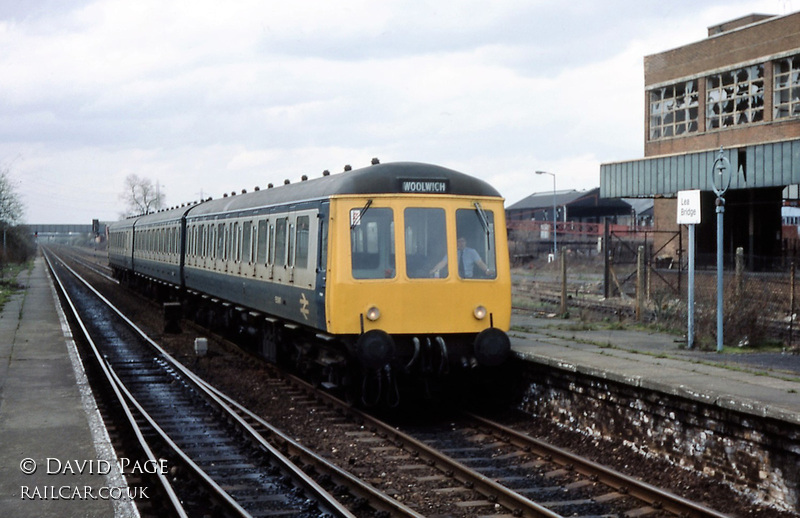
(417, 265)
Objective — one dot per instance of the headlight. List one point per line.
(373, 313)
(480, 312)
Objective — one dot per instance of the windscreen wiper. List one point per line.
(485, 222)
(363, 210)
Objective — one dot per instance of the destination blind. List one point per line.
(426, 186)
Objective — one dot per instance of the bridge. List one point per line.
(62, 231)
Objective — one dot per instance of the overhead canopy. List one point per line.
(775, 164)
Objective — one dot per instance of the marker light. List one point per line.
(373, 313)
(480, 312)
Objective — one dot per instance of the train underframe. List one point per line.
(371, 369)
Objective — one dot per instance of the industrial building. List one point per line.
(580, 206)
(737, 91)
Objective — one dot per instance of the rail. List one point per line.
(131, 399)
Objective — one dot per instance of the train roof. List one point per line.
(149, 219)
(397, 177)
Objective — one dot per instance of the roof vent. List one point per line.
(286, 182)
(326, 173)
(304, 178)
(348, 168)
(270, 186)
(375, 161)
(257, 188)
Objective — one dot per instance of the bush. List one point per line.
(19, 245)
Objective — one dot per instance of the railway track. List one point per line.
(514, 474)
(187, 427)
(471, 466)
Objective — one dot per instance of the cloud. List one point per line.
(209, 97)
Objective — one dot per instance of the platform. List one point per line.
(763, 384)
(49, 424)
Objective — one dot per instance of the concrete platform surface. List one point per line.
(763, 384)
(52, 438)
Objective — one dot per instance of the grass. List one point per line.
(8, 280)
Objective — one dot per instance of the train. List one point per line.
(372, 279)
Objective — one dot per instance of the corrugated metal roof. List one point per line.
(544, 200)
(763, 165)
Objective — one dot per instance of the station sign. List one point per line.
(689, 207)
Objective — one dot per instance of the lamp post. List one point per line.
(720, 182)
(555, 216)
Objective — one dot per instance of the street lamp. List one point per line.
(555, 241)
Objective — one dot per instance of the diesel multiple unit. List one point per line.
(377, 276)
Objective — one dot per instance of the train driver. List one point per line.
(468, 259)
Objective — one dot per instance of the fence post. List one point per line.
(680, 259)
(640, 284)
(645, 265)
(563, 308)
(739, 272)
(792, 276)
(607, 261)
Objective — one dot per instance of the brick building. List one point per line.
(737, 90)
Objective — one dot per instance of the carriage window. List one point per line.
(246, 240)
(476, 247)
(280, 242)
(271, 244)
(203, 241)
(301, 255)
(426, 243)
(261, 247)
(290, 237)
(227, 246)
(236, 251)
(323, 246)
(220, 240)
(372, 243)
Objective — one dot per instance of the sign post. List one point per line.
(689, 214)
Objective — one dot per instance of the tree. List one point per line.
(16, 243)
(11, 207)
(140, 196)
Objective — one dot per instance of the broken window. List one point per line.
(787, 87)
(673, 110)
(735, 97)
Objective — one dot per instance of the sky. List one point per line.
(207, 97)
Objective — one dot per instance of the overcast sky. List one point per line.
(207, 97)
